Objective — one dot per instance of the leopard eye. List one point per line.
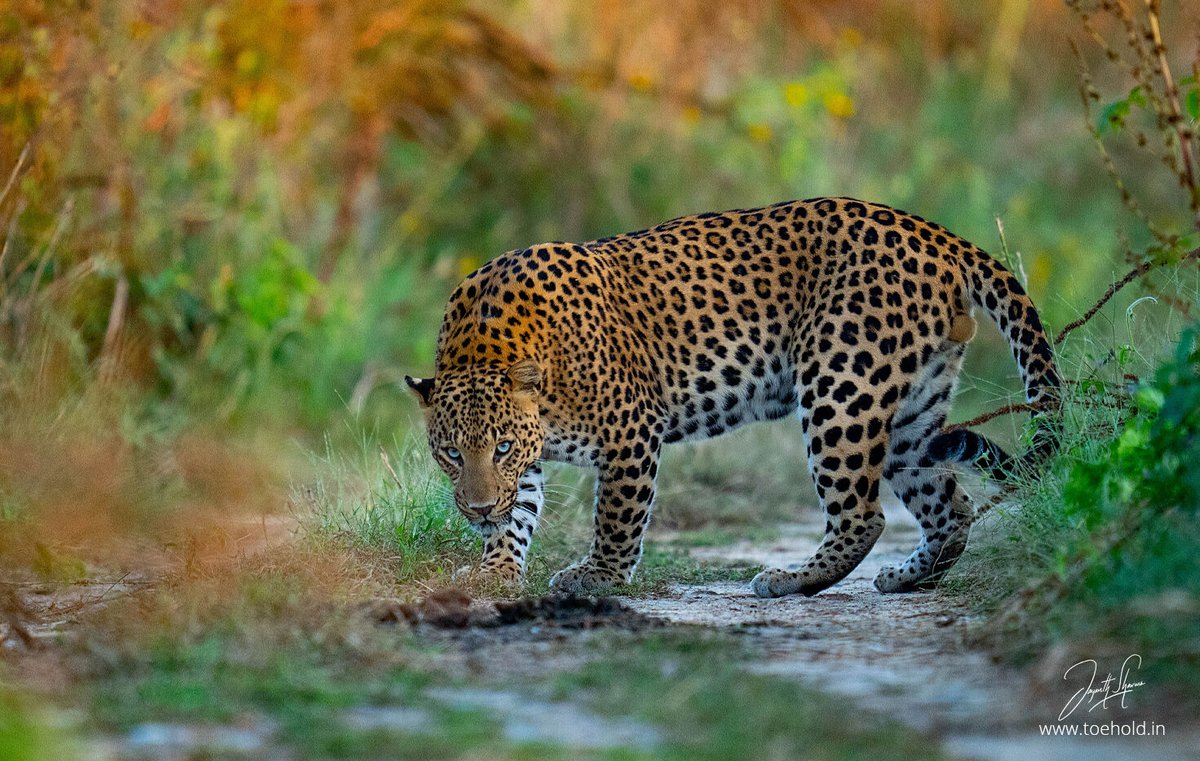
(454, 454)
(503, 447)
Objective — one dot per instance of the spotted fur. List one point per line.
(853, 315)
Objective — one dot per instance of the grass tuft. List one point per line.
(399, 508)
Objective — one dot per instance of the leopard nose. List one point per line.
(482, 511)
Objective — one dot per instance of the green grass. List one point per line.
(755, 477)
(401, 513)
(1102, 551)
(396, 505)
(718, 536)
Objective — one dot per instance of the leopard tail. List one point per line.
(995, 290)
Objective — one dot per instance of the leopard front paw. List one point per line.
(891, 579)
(585, 578)
(775, 582)
(508, 575)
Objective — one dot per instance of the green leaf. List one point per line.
(1149, 399)
(1112, 118)
(1124, 354)
(1114, 114)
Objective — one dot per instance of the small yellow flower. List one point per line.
(760, 132)
(796, 94)
(410, 223)
(839, 105)
(691, 114)
(139, 29)
(641, 81)
(246, 61)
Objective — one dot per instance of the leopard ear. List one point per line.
(526, 376)
(422, 387)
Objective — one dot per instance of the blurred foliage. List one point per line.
(26, 734)
(209, 159)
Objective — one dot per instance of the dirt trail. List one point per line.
(903, 655)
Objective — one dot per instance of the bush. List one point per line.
(1102, 550)
(1136, 563)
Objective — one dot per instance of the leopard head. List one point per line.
(485, 432)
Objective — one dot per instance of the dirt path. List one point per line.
(903, 655)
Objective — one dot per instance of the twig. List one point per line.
(1130, 276)
(18, 628)
(8, 239)
(1175, 116)
(1088, 93)
(1048, 591)
(44, 257)
(387, 463)
(16, 172)
(13, 609)
(116, 321)
(1008, 409)
(96, 599)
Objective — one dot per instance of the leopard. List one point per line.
(854, 316)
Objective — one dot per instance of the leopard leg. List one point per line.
(624, 498)
(929, 490)
(845, 425)
(506, 547)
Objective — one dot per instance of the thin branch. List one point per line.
(16, 172)
(8, 239)
(75, 607)
(1085, 20)
(1088, 93)
(1134, 274)
(1175, 116)
(1130, 276)
(1008, 409)
(116, 322)
(387, 463)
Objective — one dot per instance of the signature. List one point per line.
(1098, 692)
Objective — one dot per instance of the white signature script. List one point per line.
(1098, 692)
